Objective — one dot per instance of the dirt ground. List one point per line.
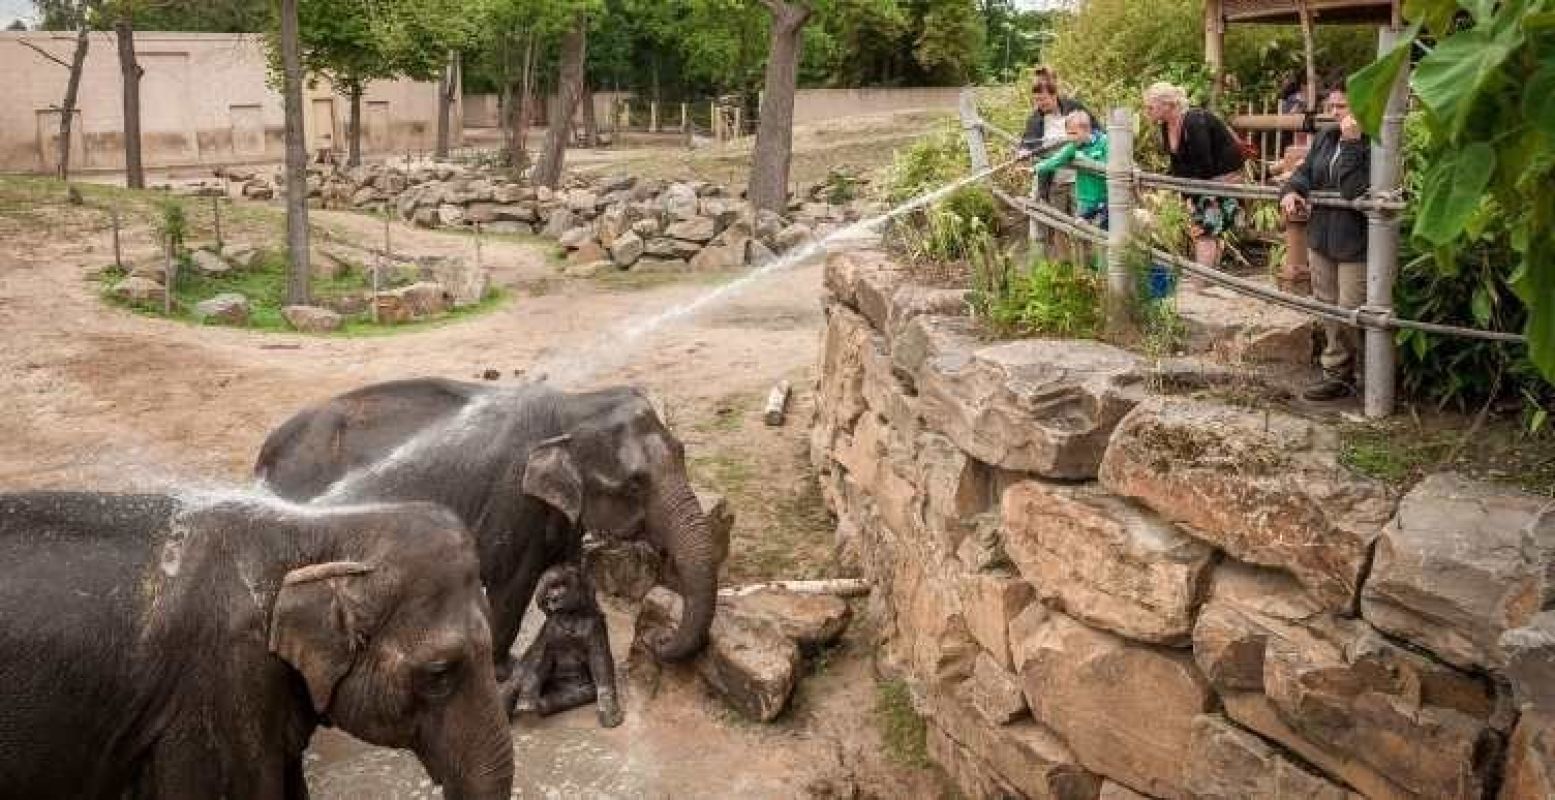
(100, 398)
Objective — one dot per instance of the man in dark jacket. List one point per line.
(1340, 160)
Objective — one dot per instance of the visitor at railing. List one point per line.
(1085, 141)
(1201, 147)
(1045, 131)
(1339, 160)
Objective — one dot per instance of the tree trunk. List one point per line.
(526, 108)
(129, 69)
(354, 136)
(445, 103)
(569, 87)
(296, 160)
(774, 138)
(590, 128)
(67, 113)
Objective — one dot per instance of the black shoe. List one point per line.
(1327, 389)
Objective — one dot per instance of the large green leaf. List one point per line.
(1537, 287)
(1450, 79)
(1453, 190)
(1539, 99)
(1370, 88)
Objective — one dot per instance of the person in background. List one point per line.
(1045, 131)
(1090, 187)
(1340, 160)
(1201, 147)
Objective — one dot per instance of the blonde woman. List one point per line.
(1201, 147)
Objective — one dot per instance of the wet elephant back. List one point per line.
(72, 569)
(320, 445)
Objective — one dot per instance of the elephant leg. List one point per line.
(508, 606)
(567, 695)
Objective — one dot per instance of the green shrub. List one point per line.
(928, 164)
(1049, 298)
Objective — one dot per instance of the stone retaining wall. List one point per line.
(1099, 591)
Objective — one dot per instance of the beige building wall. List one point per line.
(205, 100)
(810, 105)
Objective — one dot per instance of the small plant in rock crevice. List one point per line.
(903, 732)
(1052, 298)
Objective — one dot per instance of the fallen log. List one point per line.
(840, 587)
(777, 404)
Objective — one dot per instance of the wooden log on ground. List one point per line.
(840, 587)
(777, 404)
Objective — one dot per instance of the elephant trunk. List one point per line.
(688, 540)
(469, 748)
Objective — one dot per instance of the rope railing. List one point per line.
(1243, 191)
(1361, 317)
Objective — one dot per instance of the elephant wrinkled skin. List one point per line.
(186, 648)
(528, 469)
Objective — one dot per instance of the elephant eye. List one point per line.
(437, 678)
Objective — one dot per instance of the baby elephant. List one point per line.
(569, 663)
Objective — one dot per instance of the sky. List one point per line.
(12, 9)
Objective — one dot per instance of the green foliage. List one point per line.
(902, 731)
(950, 42)
(1049, 298)
(931, 162)
(172, 225)
(1480, 89)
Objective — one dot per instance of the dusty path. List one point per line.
(96, 397)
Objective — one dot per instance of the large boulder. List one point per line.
(139, 291)
(1237, 329)
(1041, 406)
(1265, 486)
(423, 299)
(812, 621)
(559, 222)
(663, 247)
(995, 692)
(696, 229)
(1104, 561)
(576, 237)
(1530, 761)
(792, 237)
(240, 256)
(680, 201)
(1226, 762)
(311, 319)
(480, 213)
(450, 214)
(515, 212)
(208, 264)
(1529, 653)
(229, 308)
(626, 250)
(465, 283)
(747, 661)
(1025, 759)
(1126, 710)
(1462, 563)
(1385, 720)
(725, 252)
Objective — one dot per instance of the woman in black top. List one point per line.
(1201, 147)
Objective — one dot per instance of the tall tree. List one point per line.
(774, 138)
(73, 15)
(569, 88)
(446, 89)
(296, 157)
(130, 73)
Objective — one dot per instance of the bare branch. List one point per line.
(46, 54)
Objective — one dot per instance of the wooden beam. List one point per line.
(1214, 48)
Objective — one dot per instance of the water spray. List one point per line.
(612, 348)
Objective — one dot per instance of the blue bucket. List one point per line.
(1163, 281)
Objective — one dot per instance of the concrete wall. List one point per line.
(482, 110)
(205, 99)
(810, 105)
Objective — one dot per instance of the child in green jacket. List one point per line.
(1090, 188)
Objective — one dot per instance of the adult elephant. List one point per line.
(182, 649)
(528, 468)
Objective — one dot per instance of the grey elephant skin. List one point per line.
(155, 647)
(528, 468)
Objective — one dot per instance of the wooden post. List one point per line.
(169, 276)
(1120, 214)
(685, 117)
(712, 111)
(1382, 241)
(118, 252)
(972, 126)
(739, 128)
(653, 116)
(216, 215)
(477, 247)
(1214, 48)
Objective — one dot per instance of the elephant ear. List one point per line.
(551, 476)
(316, 625)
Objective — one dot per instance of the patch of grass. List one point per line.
(902, 731)
(722, 471)
(1397, 461)
(264, 284)
(1401, 452)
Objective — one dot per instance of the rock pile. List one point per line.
(1096, 592)
(604, 224)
